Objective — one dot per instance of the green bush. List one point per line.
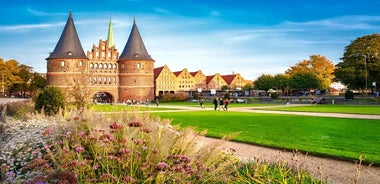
(50, 101)
(349, 94)
(274, 96)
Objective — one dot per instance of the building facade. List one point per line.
(102, 72)
(107, 76)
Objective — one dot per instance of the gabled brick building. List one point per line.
(102, 71)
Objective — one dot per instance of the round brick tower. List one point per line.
(136, 70)
(67, 63)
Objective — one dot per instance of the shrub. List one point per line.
(274, 96)
(176, 97)
(50, 100)
(349, 94)
(20, 110)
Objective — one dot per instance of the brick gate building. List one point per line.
(102, 72)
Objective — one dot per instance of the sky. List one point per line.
(250, 37)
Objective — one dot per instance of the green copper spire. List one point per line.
(111, 41)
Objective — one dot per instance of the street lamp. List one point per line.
(3, 85)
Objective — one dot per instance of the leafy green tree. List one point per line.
(37, 82)
(303, 81)
(281, 81)
(264, 82)
(361, 60)
(25, 74)
(51, 100)
(319, 65)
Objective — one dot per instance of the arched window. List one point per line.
(122, 66)
(96, 66)
(105, 66)
(101, 66)
(80, 63)
(62, 63)
(91, 65)
(138, 65)
(114, 66)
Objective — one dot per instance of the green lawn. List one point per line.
(350, 109)
(337, 137)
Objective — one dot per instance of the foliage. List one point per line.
(281, 172)
(20, 77)
(132, 148)
(349, 94)
(281, 81)
(274, 95)
(360, 52)
(50, 100)
(176, 97)
(303, 81)
(20, 110)
(319, 65)
(10, 70)
(264, 82)
(79, 95)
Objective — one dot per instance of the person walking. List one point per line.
(215, 102)
(201, 103)
(157, 102)
(221, 104)
(226, 104)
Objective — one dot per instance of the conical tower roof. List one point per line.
(68, 45)
(111, 41)
(135, 48)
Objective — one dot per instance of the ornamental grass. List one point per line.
(124, 148)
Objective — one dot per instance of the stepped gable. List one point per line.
(68, 45)
(135, 48)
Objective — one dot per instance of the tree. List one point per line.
(51, 100)
(25, 74)
(361, 62)
(10, 71)
(303, 81)
(37, 82)
(281, 81)
(319, 65)
(264, 82)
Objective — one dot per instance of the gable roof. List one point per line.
(157, 71)
(228, 78)
(134, 48)
(110, 39)
(68, 45)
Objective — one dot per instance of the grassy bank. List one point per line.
(336, 137)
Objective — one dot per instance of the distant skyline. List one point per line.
(216, 36)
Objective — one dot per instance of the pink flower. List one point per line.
(162, 166)
(81, 133)
(79, 149)
(135, 124)
(95, 167)
(116, 126)
(47, 131)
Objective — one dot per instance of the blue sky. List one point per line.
(249, 37)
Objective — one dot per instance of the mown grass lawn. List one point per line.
(336, 137)
(350, 109)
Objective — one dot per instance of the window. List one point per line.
(80, 63)
(62, 63)
(96, 65)
(122, 66)
(138, 65)
(91, 65)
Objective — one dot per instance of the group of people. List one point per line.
(222, 104)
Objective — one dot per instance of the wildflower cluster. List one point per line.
(24, 141)
(124, 150)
